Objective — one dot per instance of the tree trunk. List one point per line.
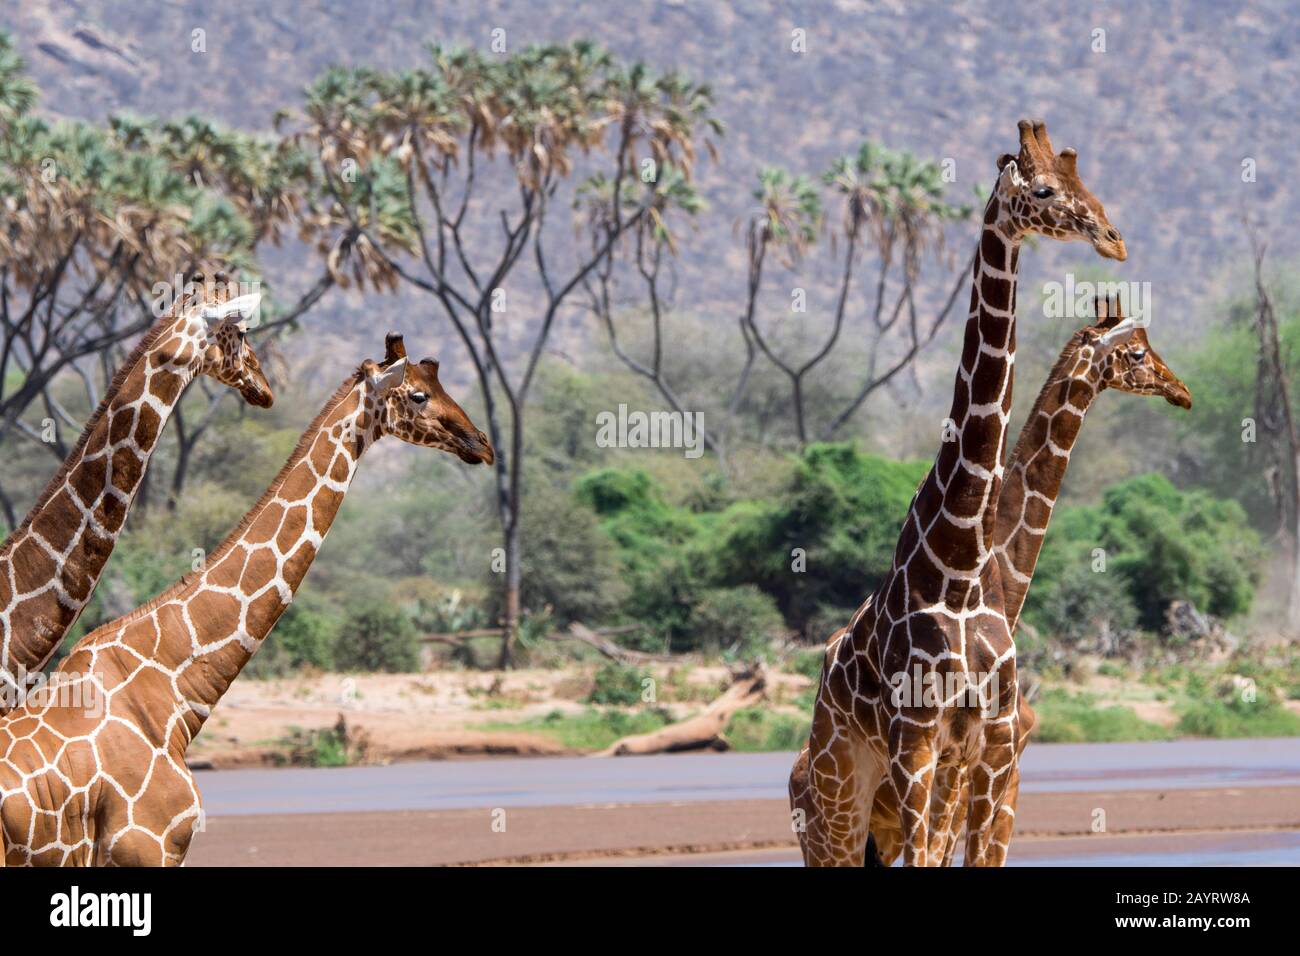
(1273, 371)
(510, 625)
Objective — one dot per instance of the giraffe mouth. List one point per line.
(475, 450)
(1110, 244)
(257, 394)
(1176, 393)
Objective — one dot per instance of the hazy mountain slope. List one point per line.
(1162, 119)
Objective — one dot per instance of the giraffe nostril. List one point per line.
(1112, 234)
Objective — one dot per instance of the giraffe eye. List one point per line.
(419, 397)
(1138, 354)
(1044, 192)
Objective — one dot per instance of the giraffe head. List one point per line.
(414, 407)
(1042, 193)
(1126, 361)
(228, 357)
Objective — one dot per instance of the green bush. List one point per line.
(658, 550)
(617, 685)
(808, 663)
(842, 509)
(758, 730)
(1226, 711)
(740, 622)
(1077, 603)
(569, 562)
(1075, 718)
(305, 636)
(817, 546)
(376, 636)
(321, 747)
(1160, 544)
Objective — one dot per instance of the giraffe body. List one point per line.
(108, 785)
(919, 693)
(1090, 363)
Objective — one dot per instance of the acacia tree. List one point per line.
(454, 179)
(891, 202)
(94, 218)
(266, 181)
(89, 227)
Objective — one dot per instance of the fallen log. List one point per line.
(702, 731)
(460, 637)
(615, 652)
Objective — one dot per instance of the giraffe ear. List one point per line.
(1004, 159)
(1109, 313)
(385, 379)
(247, 307)
(394, 348)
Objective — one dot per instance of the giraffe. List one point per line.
(106, 783)
(924, 675)
(1096, 358)
(51, 563)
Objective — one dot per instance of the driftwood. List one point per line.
(702, 731)
(615, 652)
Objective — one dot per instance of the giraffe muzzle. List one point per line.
(476, 450)
(1110, 244)
(1176, 393)
(256, 394)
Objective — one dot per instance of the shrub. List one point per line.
(305, 636)
(658, 550)
(740, 621)
(617, 685)
(1081, 603)
(569, 563)
(333, 746)
(376, 636)
(1225, 711)
(843, 509)
(758, 730)
(1160, 545)
(1075, 718)
(809, 663)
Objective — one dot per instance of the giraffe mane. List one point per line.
(147, 341)
(1055, 377)
(300, 451)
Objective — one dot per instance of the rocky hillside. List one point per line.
(1164, 101)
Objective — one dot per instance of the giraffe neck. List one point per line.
(954, 509)
(251, 578)
(1035, 472)
(51, 563)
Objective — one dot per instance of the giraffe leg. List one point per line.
(885, 833)
(958, 823)
(843, 776)
(912, 771)
(991, 776)
(945, 818)
(801, 806)
(801, 809)
(1006, 819)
